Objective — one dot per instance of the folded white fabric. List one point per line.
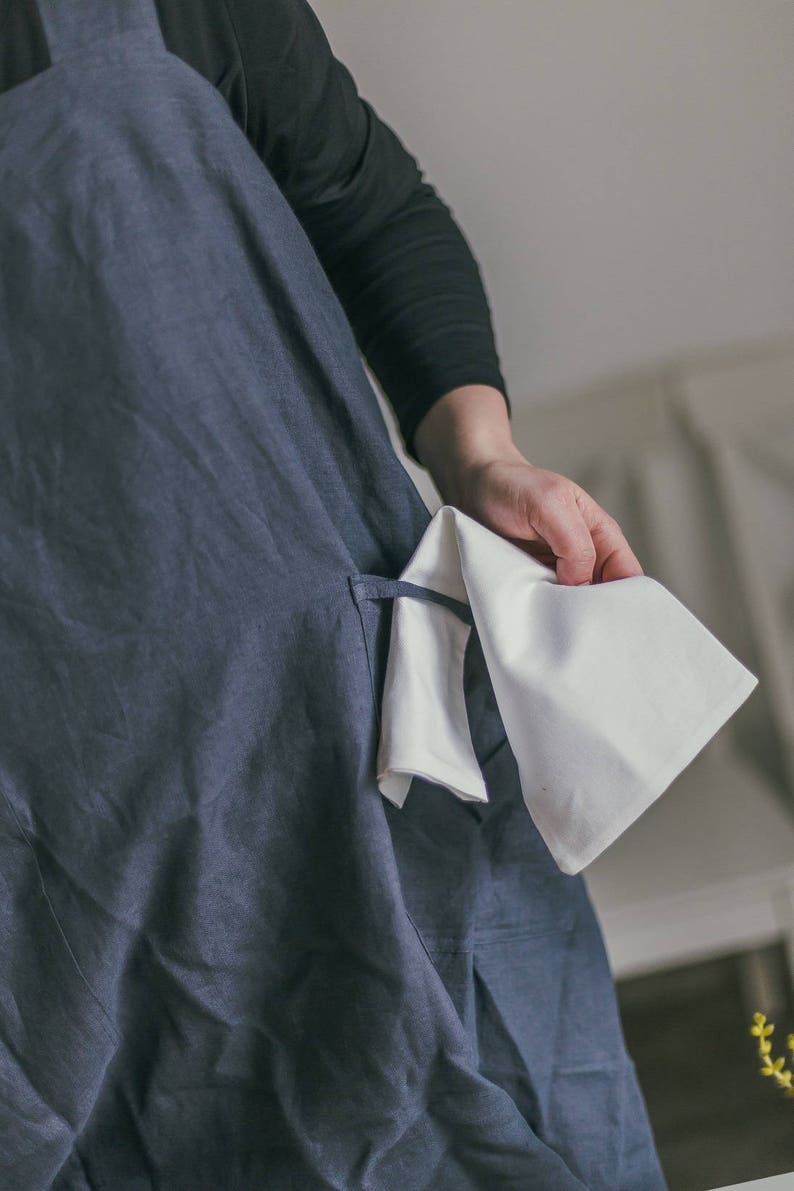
(606, 691)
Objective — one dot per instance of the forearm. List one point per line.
(463, 430)
(416, 301)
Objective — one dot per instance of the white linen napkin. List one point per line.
(606, 691)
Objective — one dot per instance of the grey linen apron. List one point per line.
(227, 962)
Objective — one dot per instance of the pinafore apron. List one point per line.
(227, 962)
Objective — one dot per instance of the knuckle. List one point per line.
(560, 487)
(557, 499)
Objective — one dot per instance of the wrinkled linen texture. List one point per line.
(227, 961)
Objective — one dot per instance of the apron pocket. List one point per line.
(373, 596)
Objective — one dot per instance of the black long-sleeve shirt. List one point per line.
(396, 258)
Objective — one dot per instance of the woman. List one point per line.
(238, 966)
(389, 245)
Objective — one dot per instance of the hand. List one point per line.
(548, 516)
(465, 442)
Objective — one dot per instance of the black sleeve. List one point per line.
(398, 261)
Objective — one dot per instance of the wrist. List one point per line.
(463, 431)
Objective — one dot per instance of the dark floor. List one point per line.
(717, 1121)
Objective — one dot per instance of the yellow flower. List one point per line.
(776, 1067)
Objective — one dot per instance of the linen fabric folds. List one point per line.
(226, 961)
(606, 691)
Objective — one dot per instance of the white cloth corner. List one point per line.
(606, 691)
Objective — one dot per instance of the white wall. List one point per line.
(624, 169)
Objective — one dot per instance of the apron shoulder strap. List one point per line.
(74, 25)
